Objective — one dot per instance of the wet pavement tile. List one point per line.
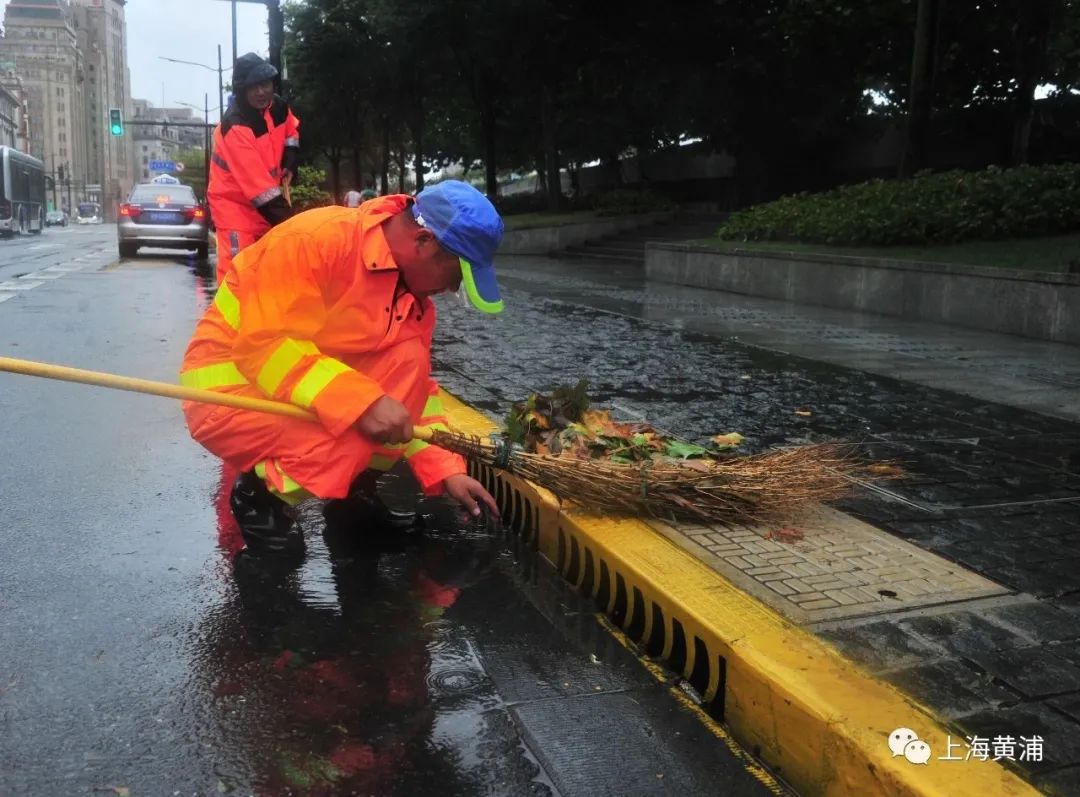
(1041, 622)
(952, 687)
(1060, 783)
(883, 645)
(1033, 671)
(965, 633)
(1060, 734)
(1067, 704)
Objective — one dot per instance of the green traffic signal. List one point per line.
(116, 122)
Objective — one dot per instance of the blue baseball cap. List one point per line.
(465, 224)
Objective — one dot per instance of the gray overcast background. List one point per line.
(189, 30)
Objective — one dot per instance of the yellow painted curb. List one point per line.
(813, 716)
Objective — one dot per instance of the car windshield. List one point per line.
(163, 194)
(89, 209)
(55, 214)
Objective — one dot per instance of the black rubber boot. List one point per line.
(364, 507)
(265, 521)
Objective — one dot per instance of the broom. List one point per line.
(761, 488)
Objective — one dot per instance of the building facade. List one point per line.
(40, 47)
(12, 84)
(10, 118)
(70, 60)
(154, 138)
(101, 35)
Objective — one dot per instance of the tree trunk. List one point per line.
(357, 169)
(914, 154)
(334, 157)
(1032, 37)
(385, 165)
(551, 149)
(575, 178)
(418, 142)
(541, 175)
(401, 168)
(487, 128)
(613, 169)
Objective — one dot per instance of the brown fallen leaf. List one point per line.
(729, 440)
(119, 791)
(803, 413)
(696, 464)
(786, 534)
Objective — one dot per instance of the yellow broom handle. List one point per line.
(65, 374)
(151, 387)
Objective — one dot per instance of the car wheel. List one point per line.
(128, 249)
(202, 251)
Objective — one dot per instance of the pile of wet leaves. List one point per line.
(565, 424)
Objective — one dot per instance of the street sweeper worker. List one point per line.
(256, 148)
(332, 311)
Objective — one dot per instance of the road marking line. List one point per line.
(42, 276)
(5, 296)
(11, 285)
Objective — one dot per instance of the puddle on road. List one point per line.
(345, 675)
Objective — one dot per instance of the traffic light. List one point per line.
(116, 122)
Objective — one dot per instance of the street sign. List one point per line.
(164, 166)
(179, 167)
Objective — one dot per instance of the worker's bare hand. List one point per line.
(386, 421)
(468, 492)
(286, 176)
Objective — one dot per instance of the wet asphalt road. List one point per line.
(138, 656)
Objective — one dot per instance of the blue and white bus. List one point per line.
(22, 193)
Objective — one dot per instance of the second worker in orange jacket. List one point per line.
(331, 311)
(256, 147)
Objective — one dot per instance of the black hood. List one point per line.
(250, 69)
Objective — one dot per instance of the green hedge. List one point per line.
(930, 208)
(622, 201)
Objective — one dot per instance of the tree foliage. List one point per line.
(497, 85)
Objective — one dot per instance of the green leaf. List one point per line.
(680, 450)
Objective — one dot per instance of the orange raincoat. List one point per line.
(314, 313)
(245, 174)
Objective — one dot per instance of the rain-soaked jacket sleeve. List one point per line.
(246, 165)
(281, 312)
(290, 157)
(431, 464)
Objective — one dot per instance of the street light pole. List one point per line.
(234, 55)
(206, 146)
(220, 85)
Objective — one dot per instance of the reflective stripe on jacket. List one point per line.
(245, 168)
(312, 308)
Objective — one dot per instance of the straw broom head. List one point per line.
(761, 488)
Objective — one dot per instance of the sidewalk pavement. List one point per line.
(959, 585)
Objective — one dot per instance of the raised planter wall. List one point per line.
(545, 240)
(1033, 304)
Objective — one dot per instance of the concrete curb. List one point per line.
(818, 720)
(545, 240)
(1032, 304)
